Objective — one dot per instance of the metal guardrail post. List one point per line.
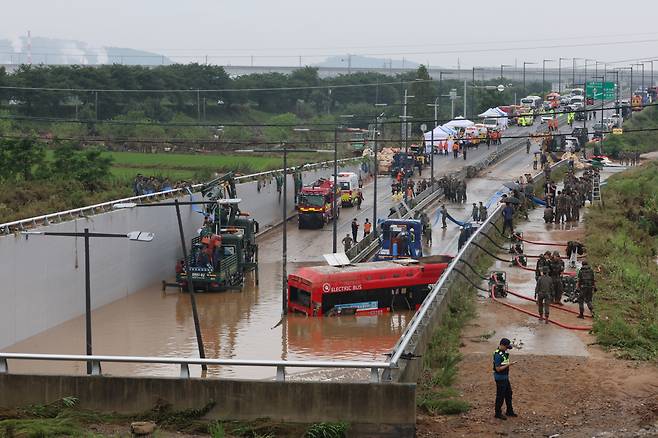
(96, 368)
(374, 375)
(184, 371)
(280, 373)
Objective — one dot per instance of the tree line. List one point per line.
(246, 99)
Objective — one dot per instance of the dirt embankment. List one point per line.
(564, 384)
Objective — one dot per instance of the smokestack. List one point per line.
(29, 48)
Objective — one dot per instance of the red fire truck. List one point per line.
(314, 204)
(373, 287)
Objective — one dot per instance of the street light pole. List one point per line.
(87, 300)
(559, 75)
(525, 90)
(334, 209)
(284, 247)
(87, 235)
(190, 286)
(543, 75)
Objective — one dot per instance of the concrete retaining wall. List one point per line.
(43, 277)
(376, 409)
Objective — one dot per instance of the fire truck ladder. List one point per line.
(596, 188)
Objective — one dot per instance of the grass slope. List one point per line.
(622, 238)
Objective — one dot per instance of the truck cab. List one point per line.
(315, 204)
(400, 238)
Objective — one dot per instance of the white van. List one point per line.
(349, 187)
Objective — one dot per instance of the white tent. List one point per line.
(440, 133)
(459, 122)
(498, 114)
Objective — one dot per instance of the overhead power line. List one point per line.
(368, 118)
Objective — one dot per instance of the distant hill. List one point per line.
(366, 62)
(58, 51)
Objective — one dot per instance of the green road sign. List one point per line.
(597, 89)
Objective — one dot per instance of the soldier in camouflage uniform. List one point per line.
(543, 293)
(556, 268)
(585, 288)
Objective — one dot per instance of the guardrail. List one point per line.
(61, 216)
(185, 363)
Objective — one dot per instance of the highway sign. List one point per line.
(617, 131)
(596, 89)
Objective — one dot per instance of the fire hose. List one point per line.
(518, 263)
(469, 280)
(536, 315)
(473, 269)
(493, 241)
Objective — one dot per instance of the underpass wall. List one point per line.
(43, 276)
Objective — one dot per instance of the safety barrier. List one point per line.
(184, 363)
(61, 216)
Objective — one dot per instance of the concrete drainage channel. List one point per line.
(384, 407)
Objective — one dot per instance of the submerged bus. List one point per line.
(373, 287)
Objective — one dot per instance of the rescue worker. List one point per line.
(501, 364)
(483, 212)
(463, 237)
(355, 229)
(556, 269)
(543, 262)
(585, 288)
(475, 213)
(427, 231)
(548, 214)
(508, 216)
(444, 216)
(543, 293)
(367, 227)
(347, 242)
(527, 145)
(359, 200)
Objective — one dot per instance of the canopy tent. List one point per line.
(439, 133)
(459, 122)
(498, 114)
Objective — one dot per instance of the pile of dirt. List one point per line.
(572, 396)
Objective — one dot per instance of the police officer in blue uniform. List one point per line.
(501, 364)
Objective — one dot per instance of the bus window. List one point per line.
(301, 297)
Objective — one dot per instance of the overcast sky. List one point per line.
(471, 32)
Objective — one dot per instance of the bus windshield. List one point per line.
(311, 200)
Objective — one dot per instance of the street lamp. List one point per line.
(602, 105)
(641, 65)
(436, 109)
(559, 75)
(585, 72)
(525, 90)
(651, 61)
(573, 71)
(138, 236)
(501, 70)
(473, 93)
(543, 75)
(374, 201)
